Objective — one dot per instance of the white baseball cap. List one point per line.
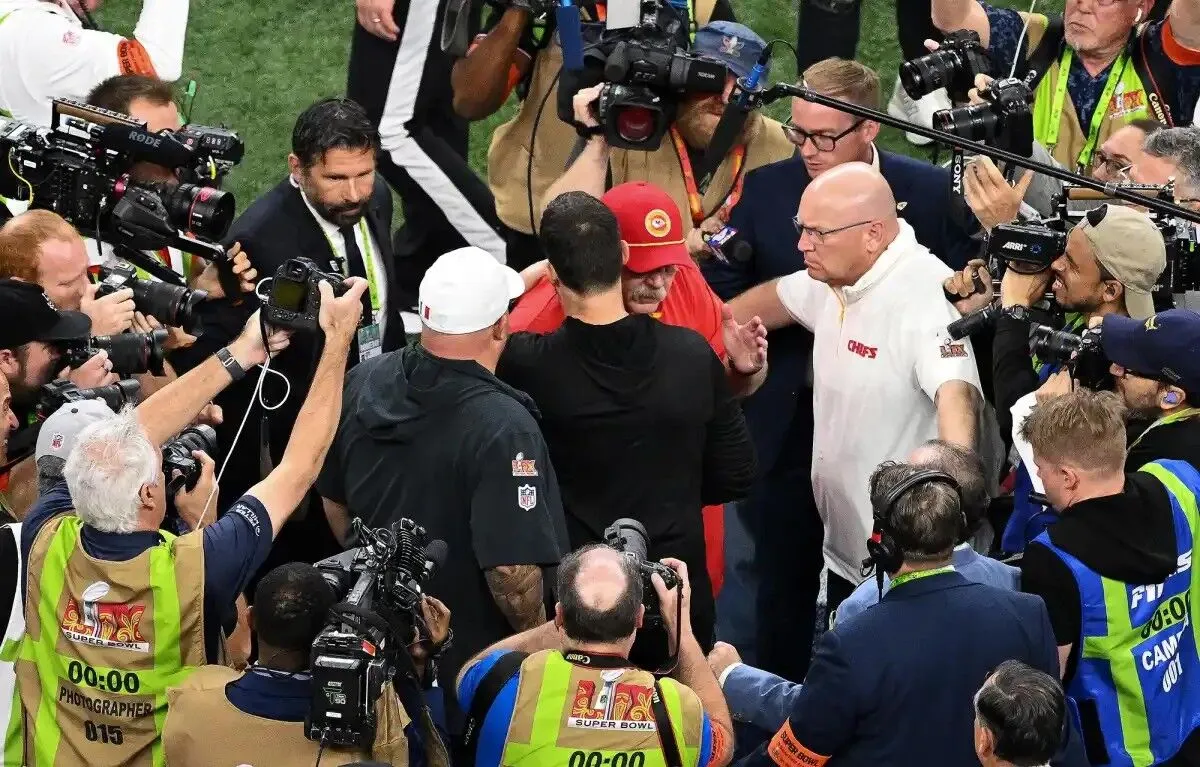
(466, 290)
(60, 432)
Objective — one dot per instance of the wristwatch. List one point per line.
(235, 369)
(1019, 312)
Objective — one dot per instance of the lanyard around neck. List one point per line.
(917, 575)
(1182, 415)
(695, 199)
(368, 261)
(1115, 73)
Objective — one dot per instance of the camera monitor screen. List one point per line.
(289, 294)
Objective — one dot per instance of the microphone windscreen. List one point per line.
(570, 36)
(436, 551)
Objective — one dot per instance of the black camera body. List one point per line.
(1004, 119)
(81, 167)
(646, 70)
(58, 393)
(295, 300)
(1082, 354)
(171, 305)
(952, 66)
(629, 537)
(364, 645)
(1026, 248)
(129, 353)
(177, 457)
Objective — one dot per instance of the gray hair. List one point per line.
(1181, 146)
(106, 470)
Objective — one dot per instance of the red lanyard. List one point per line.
(695, 200)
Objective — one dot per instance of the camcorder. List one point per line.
(1083, 354)
(58, 393)
(646, 71)
(81, 168)
(177, 457)
(172, 305)
(629, 537)
(295, 299)
(129, 353)
(365, 643)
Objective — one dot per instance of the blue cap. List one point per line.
(734, 45)
(1166, 346)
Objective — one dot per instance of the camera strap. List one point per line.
(666, 733)
(504, 669)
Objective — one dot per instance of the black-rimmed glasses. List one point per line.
(822, 141)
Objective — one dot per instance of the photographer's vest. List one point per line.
(1125, 96)
(570, 714)
(104, 640)
(1139, 657)
(670, 168)
(508, 156)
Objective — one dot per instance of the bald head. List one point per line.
(600, 595)
(859, 187)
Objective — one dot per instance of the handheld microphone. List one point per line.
(570, 35)
(733, 119)
(435, 554)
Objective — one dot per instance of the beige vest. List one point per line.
(508, 157)
(767, 144)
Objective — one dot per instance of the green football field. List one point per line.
(258, 64)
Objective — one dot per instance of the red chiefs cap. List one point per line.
(650, 224)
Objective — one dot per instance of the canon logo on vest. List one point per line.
(862, 350)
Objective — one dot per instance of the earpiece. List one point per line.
(1171, 398)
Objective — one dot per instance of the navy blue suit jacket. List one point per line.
(763, 218)
(895, 686)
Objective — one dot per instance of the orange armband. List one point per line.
(134, 59)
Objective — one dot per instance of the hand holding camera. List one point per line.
(246, 275)
(584, 103)
(340, 314)
(991, 198)
(192, 503)
(972, 287)
(1017, 289)
(110, 314)
(675, 603)
(94, 373)
(250, 348)
(1056, 385)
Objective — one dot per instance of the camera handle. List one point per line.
(783, 90)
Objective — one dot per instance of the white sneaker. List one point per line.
(921, 111)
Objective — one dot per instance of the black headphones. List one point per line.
(884, 554)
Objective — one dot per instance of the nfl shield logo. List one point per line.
(526, 497)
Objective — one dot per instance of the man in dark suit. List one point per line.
(894, 686)
(780, 515)
(336, 211)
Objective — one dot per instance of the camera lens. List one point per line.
(977, 122)
(172, 305)
(202, 210)
(925, 74)
(133, 353)
(634, 124)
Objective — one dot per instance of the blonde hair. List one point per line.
(1085, 429)
(846, 80)
(21, 241)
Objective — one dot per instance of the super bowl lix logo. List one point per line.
(104, 624)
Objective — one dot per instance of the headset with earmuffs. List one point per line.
(883, 552)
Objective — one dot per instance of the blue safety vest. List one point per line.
(1139, 662)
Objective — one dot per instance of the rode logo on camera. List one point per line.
(862, 350)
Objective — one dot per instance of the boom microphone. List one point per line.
(733, 119)
(141, 144)
(570, 35)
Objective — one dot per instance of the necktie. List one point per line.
(354, 259)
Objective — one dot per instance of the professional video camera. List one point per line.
(1082, 354)
(953, 66)
(58, 393)
(129, 353)
(177, 457)
(646, 70)
(366, 641)
(295, 300)
(172, 305)
(80, 168)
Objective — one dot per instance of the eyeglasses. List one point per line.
(823, 142)
(819, 235)
(1106, 3)
(1116, 168)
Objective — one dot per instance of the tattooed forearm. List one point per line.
(517, 590)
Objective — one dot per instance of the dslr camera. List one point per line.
(177, 457)
(172, 305)
(1004, 119)
(629, 537)
(365, 643)
(646, 71)
(295, 300)
(80, 168)
(952, 66)
(58, 393)
(1082, 354)
(130, 353)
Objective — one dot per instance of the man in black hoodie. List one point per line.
(638, 414)
(1116, 576)
(429, 433)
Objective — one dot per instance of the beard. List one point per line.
(340, 215)
(697, 121)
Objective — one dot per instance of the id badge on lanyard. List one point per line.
(369, 336)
